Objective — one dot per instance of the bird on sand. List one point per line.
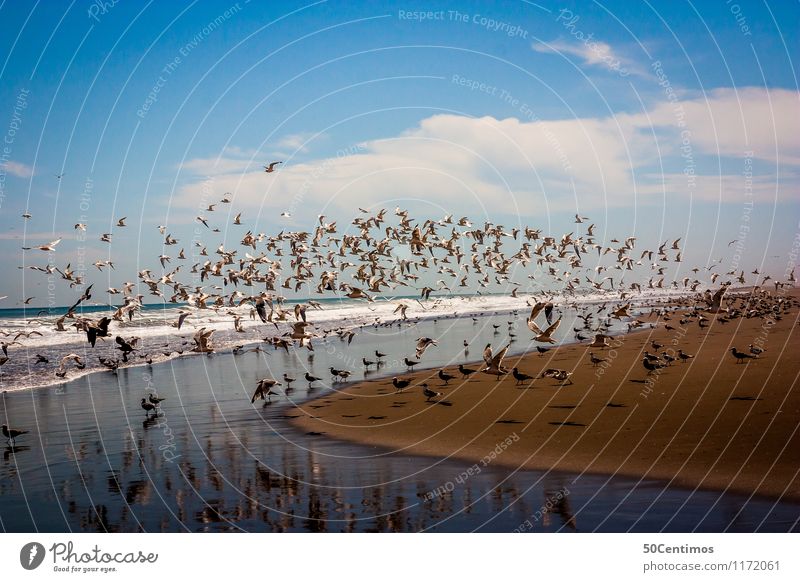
(683, 356)
(465, 372)
(445, 377)
(520, 377)
(742, 356)
(595, 360)
(559, 375)
(428, 393)
(401, 384)
(495, 364)
(12, 433)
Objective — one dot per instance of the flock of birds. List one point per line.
(375, 257)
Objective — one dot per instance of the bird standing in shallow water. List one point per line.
(147, 407)
(12, 433)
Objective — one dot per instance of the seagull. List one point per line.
(465, 372)
(410, 363)
(756, 350)
(495, 365)
(444, 377)
(147, 407)
(600, 341)
(311, 379)
(155, 400)
(49, 247)
(288, 379)
(741, 356)
(286, 214)
(684, 356)
(595, 360)
(428, 393)
(121, 221)
(560, 375)
(12, 433)
(544, 336)
(271, 167)
(400, 385)
(27, 215)
(263, 389)
(652, 365)
(520, 377)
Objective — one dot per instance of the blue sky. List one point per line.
(656, 120)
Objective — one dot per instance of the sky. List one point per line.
(656, 120)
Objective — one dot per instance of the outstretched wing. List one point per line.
(497, 360)
(533, 327)
(550, 330)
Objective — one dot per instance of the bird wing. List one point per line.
(553, 327)
(497, 360)
(533, 327)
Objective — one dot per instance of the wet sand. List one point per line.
(710, 423)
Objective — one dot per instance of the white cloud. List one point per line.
(590, 52)
(17, 169)
(488, 166)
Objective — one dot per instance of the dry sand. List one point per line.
(710, 423)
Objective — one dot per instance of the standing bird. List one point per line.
(444, 377)
(12, 433)
(400, 385)
(147, 407)
(684, 357)
(520, 377)
(155, 400)
(466, 372)
(288, 380)
(428, 393)
(410, 363)
(741, 356)
(311, 379)
(595, 360)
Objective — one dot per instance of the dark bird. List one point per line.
(400, 385)
(466, 372)
(520, 377)
(263, 389)
(410, 363)
(428, 393)
(652, 365)
(444, 377)
(155, 400)
(12, 433)
(147, 407)
(741, 356)
(311, 379)
(367, 363)
(271, 167)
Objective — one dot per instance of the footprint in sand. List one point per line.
(567, 406)
(745, 398)
(376, 418)
(567, 423)
(615, 405)
(350, 415)
(508, 422)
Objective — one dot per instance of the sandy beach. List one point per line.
(710, 423)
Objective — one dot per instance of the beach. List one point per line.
(710, 423)
(210, 460)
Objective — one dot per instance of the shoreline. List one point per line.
(720, 427)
